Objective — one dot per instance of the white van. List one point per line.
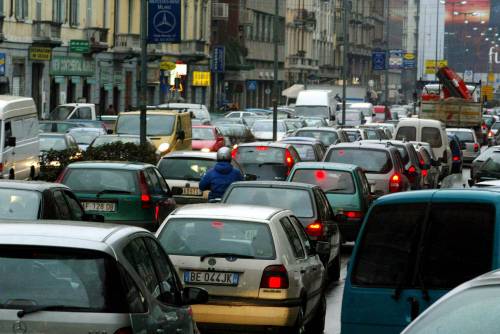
(366, 108)
(428, 131)
(316, 103)
(200, 111)
(19, 150)
(73, 111)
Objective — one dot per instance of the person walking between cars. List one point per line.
(220, 177)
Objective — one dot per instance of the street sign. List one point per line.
(164, 21)
(2, 63)
(395, 59)
(409, 60)
(430, 65)
(487, 91)
(218, 62)
(201, 79)
(378, 60)
(79, 46)
(72, 66)
(252, 85)
(167, 66)
(468, 76)
(39, 53)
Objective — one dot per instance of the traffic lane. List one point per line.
(334, 293)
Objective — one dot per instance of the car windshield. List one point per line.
(103, 140)
(60, 113)
(260, 155)
(305, 151)
(157, 125)
(315, 122)
(191, 169)
(315, 111)
(431, 136)
(267, 126)
(57, 143)
(84, 137)
(297, 200)
(203, 133)
(200, 236)
(370, 160)
(94, 180)
(331, 181)
(464, 136)
(408, 133)
(73, 280)
(326, 137)
(19, 204)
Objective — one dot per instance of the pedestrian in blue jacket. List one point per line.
(219, 178)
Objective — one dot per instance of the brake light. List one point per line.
(59, 179)
(412, 170)
(289, 161)
(456, 158)
(490, 134)
(315, 229)
(157, 213)
(353, 214)
(395, 183)
(274, 277)
(320, 175)
(124, 330)
(424, 172)
(262, 148)
(234, 152)
(476, 147)
(143, 186)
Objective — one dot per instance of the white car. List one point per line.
(469, 144)
(256, 263)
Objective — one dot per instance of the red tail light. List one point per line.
(124, 330)
(315, 229)
(353, 214)
(234, 152)
(395, 183)
(456, 158)
(274, 277)
(490, 134)
(320, 175)
(143, 186)
(476, 147)
(262, 148)
(157, 213)
(412, 170)
(61, 176)
(424, 172)
(289, 161)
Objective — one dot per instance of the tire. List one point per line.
(12, 176)
(299, 327)
(317, 324)
(334, 269)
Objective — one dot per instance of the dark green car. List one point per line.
(346, 189)
(123, 192)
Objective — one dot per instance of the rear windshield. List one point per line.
(297, 200)
(19, 204)
(306, 152)
(370, 160)
(331, 181)
(157, 125)
(69, 279)
(432, 136)
(353, 135)
(260, 155)
(464, 136)
(408, 133)
(372, 134)
(95, 180)
(203, 134)
(184, 168)
(326, 137)
(57, 143)
(60, 113)
(404, 154)
(84, 137)
(197, 237)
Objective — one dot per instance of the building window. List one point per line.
(105, 18)
(21, 10)
(130, 15)
(59, 11)
(74, 13)
(89, 13)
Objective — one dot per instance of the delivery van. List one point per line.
(316, 103)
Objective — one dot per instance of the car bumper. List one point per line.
(190, 199)
(469, 156)
(350, 229)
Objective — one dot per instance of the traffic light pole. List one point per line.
(275, 83)
(144, 71)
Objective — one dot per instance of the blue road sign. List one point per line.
(218, 62)
(252, 85)
(2, 63)
(378, 60)
(164, 21)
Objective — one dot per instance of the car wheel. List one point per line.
(334, 268)
(299, 327)
(317, 324)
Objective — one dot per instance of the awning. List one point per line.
(292, 91)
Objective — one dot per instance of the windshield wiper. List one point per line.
(113, 191)
(241, 256)
(35, 309)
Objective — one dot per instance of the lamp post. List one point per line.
(144, 74)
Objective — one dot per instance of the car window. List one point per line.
(292, 237)
(135, 299)
(62, 206)
(247, 155)
(19, 204)
(161, 180)
(331, 181)
(372, 134)
(190, 169)
(305, 151)
(464, 136)
(7, 131)
(84, 113)
(370, 160)
(302, 235)
(74, 206)
(408, 133)
(153, 182)
(432, 136)
(93, 180)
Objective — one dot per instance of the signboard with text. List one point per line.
(201, 78)
(395, 59)
(218, 61)
(164, 21)
(79, 46)
(378, 60)
(71, 66)
(430, 65)
(39, 53)
(409, 60)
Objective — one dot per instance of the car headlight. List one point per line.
(205, 149)
(54, 163)
(164, 147)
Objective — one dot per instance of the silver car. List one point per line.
(67, 277)
(478, 162)
(469, 144)
(256, 262)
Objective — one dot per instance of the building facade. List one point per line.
(40, 46)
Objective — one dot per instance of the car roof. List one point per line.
(191, 154)
(52, 134)
(325, 165)
(125, 165)
(318, 128)
(227, 211)
(488, 194)
(421, 121)
(386, 141)
(264, 143)
(300, 140)
(459, 129)
(274, 184)
(204, 126)
(30, 185)
(360, 144)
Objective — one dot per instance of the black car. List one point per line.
(309, 204)
(271, 161)
(30, 200)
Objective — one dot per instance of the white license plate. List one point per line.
(211, 277)
(99, 206)
(191, 191)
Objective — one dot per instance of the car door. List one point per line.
(165, 202)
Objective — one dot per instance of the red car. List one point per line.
(207, 138)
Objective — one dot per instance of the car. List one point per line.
(309, 149)
(235, 134)
(489, 120)
(387, 127)
(183, 170)
(59, 126)
(199, 111)
(478, 162)
(489, 170)
(266, 160)
(308, 203)
(229, 120)
(130, 193)
(57, 142)
(250, 120)
(456, 154)
(72, 277)
(109, 122)
(383, 166)
(295, 123)
(263, 129)
(365, 133)
(469, 144)
(257, 264)
(413, 248)
(85, 136)
(315, 121)
(346, 188)
(207, 138)
(493, 134)
(242, 114)
(353, 117)
(326, 135)
(429, 167)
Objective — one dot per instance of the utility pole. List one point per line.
(437, 39)
(345, 61)
(144, 70)
(386, 74)
(275, 83)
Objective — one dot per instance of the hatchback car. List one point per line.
(89, 278)
(383, 166)
(263, 129)
(123, 192)
(266, 160)
(429, 167)
(309, 149)
(469, 144)
(328, 136)
(57, 142)
(207, 138)
(85, 136)
(309, 204)
(346, 188)
(257, 264)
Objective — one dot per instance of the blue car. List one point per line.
(413, 248)
(457, 160)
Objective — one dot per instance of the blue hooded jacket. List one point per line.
(219, 178)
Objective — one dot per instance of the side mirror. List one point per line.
(11, 142)
(322, 247)
(250, 177)
(176, 191)
(193, 295)
(90, 217)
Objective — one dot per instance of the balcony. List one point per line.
(297, 62)
(304, 18)
(98, 38)
(2, 37)
(46, 33)
(193, 48)
(127, 43)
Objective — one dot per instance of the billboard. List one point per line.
(472, 35)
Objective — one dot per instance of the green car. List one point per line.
(346, 188)
(130, 193)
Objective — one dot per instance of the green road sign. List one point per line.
(79, 46)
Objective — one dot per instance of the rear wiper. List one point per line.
(35, 309)
(112, 191)
(241, 256)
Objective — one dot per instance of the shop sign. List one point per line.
(39, 53)
(164, 21)
(218, 61)
(378, 60)
(430, 65)
(167, 66)
(2, 63)
(409, 60)
(395, 59)
(201, 78)
(487, 92)
(71, 66)
(79, 46)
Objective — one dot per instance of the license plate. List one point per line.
(191, 191)
(211, 277)
(99, 206)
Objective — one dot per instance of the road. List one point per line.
(335, 290)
